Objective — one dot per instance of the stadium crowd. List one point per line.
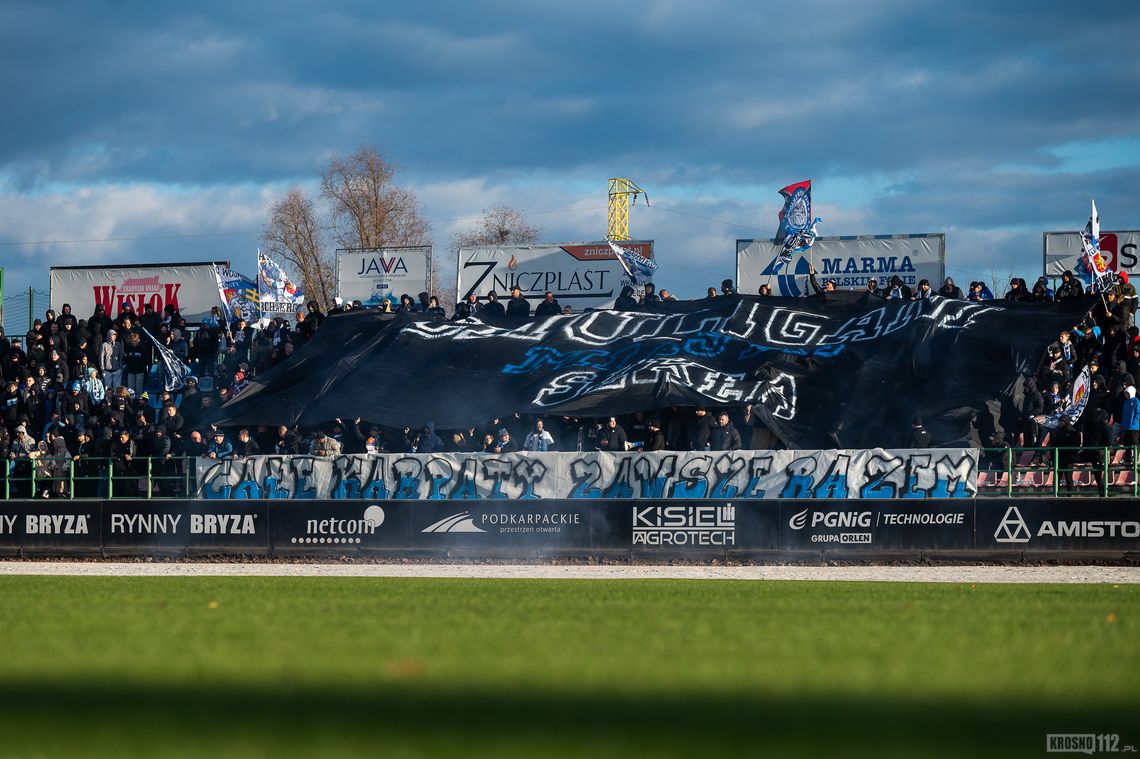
(83, 398)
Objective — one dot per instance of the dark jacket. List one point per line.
(544, 308)
(626, 301)
(518, 308)
(429, 441)
(724, 438)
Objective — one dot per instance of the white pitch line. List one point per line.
(942, 574)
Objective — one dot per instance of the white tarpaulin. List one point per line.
(1063, 251)
(847, 261)
(375, 275)
(874, 473)
(190, 288)
(581, 275)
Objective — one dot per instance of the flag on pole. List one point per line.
(796, 231)
(1074, 406)
(1090, 240)
(637, 267)
(175, 372)
(237, 291)
(277, 294)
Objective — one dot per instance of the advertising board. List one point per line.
(847, 261)
(1063, 251)
(581, 275)
(375, 275)
(191, 288)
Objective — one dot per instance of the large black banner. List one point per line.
(847, 372)
(775, 529)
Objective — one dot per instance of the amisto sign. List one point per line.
(581, 275)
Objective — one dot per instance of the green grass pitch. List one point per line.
(276, 667)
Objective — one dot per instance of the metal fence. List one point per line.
(147, 478)
(1002, 472)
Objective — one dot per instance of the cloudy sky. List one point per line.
(163, 131)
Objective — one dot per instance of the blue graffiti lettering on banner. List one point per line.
(918, 474)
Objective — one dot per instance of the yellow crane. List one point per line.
(623, 194)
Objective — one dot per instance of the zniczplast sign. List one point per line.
(847, 261)
(375, 275)
(191, 288)
(1063, 251)
(581, 275)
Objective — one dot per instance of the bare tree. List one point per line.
(499, 225)
(366, 208)
(293, 234)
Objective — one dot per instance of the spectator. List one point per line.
(897, 290)
(873, 287)
(650, 297)
(407, 305)
(493, 308)
(923, 292)
(548, 307)
(711, 292)
(539, 440)
(726, 287)
(518, 307)
(245, 446)
(666, 295)
(1017, 290)
(979, 292)
(468, 308)
(1130, 423)
(765, 291)
(323, 445)
(950, 290)
(654, 439)
(505, 443)
(429, 441)
(111, 360)
(1070, 288)
(626, 301)
(724, 436)
(701, 430)
(1041, 292)
(613, 437)
(434, 309)
(219, 447)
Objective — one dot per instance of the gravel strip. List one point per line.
(954, 574)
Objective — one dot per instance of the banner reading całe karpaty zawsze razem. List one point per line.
(191, 288)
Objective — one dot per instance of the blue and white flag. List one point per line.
(637, 267)
(797, 231)
(174, 371)
(277, 294)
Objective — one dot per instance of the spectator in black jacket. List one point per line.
(724, 437)
(493, 308)
(518, 307)
(612, 437)
(1070, 287)
(626, 301)
(548, 307)
(950, 290)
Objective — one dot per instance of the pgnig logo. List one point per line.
(787, 275)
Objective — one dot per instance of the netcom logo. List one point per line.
(460, 522)
(1012, 528)
(798, 521)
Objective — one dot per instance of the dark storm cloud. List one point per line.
(124, 119)
(217, 93)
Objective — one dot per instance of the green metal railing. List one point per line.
(1055, 472)
(144, 478)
